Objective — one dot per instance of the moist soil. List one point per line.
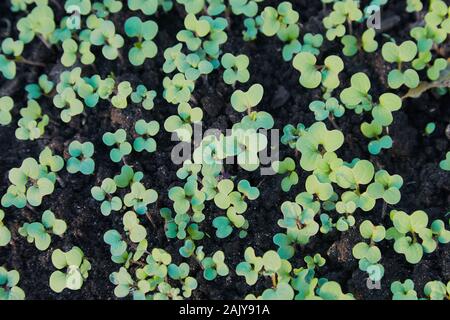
(414, 156)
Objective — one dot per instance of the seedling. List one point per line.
(215, 7)
(178, 89)
(104, 35)
(436, 290)
(43, 88)
(374, 131)
(235, 68)
(72, 50)
(274, 20)
(124, 90)
(329, 109)
(145, 130)
(283, 167)
(192, 6)
(196, 30)
(127, 177)
(249, 8)
(39, 233)
(139, 198)
(405, 52)
(367, 43)
(10, 52)
(386, 187)
(144, 96)
(186, 197)
(105, 194)
(214, 266)
(8, 285)
(315, 261)
(416, 226)
(121, 148)
(244, 101)
(445, 164)
(369, 254)
(403, 291)
(343, 11)
(291, 134)
(146, 31)
(75, 268)
(148, 7)
(5, 234)
(6, 105)
(311, 75)
(136, 232)
(315, 143)
(81, 158)
(357, 96)
(32, 122)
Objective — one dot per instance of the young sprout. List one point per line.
(69, 103)
(311, 76)
(139, 198)
(192, 6)
(369, 254)
(10, 52)
(386, 187)
(312, 43)
(118, 247)
(105, 35)
(251, 28)
(39, 22)
(194, 66)
(181, 124)
(215, 7)
(244, 101)
(291, 134)
(357, 96)
(145, 130)
(105, 193)
(403, 291)
(235, 68)
(106, 7)
(436, 290)
(71, 51)
(374, 131)
(121, 148)
(81, 158)
(6, 105)
(132, 227)
(314, 262)
(178, 89)
(331, 108)
(405, 52)
(196, 29)
(382, 112)
(414, 5)
(213, 266)
(42, 88)
(315, 143)
(445, 164)
(8, 284)
(144, 48)
(438, 67)
(287, 166)
(5, 234)
(124, 90)
(416, 226)
(249, 8)
(275, 20)
(367, 43)
(251, 267)
(148, 7)
(144, 96)
(223, 227)
(292, 45)
(39, 233)
(75, 268)
(343, 12)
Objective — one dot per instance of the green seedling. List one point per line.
(81, 158)
(173, 58)
(353, 44)
(39, 233)
(274, 20)
(436, 290)
(291, 134)
(43, 88)
(196, 30)
(68, 101)
(134, 230)
(118, 247)
(407, 231)
(72, 50)
(181, 124)
(331, 108)
(369, 254)
(139, 198)
(312, 43)
(5, 234)
(195, 65)
(386, 187)
(192, 6)
(6, 105)
(445, 164)
(31, 125)
(343, 12)
(405, 52)
(105, 8)
(75, 268)
(144, 96)
(10, 53)
(178, 89)
(105, 194)
(124, 90)
(121, 148)
(249, 8)
(357, 96)
(104, 35)
(315, 143)
(403, 291)
(145, 130)
(315, 261)
(374, 131)
(223, 227)
(244, 101)
(235, 68)
(8, 285)
(144, 48)
(148, 7)
(311, 75)
(187, 197)
(287, 166)
(39, 22)
(127, 177)
(215, 7)
(214, 266)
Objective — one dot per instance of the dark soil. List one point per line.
(414, 156)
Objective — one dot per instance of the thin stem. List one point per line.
(31, 63)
